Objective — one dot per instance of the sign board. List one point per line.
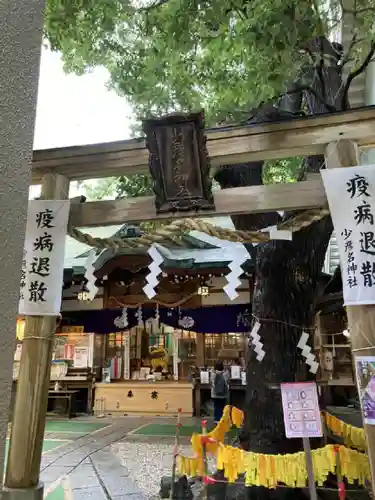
(179, 163)
(204, 377)
(351, 197)
(365, 375)
(72, 329)
(235, 372)
(301, 410)
(43, 258)
(81, 357)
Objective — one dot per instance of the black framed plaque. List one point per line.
(179, 163)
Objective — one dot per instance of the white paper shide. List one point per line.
(43, 258)
(351, 197)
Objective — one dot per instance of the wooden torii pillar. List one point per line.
(361, 319)
(30, 408)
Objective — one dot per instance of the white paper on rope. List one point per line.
(239, 257)
(89, 275)
(307, 354)
(351, 198)
(154, 271)
(43, 262)
(278, 234)
(256, 341)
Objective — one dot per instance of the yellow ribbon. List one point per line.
(290, 469)
(231, 415)
(354, 437)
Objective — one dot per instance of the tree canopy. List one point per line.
(123, 187)
(224, 55)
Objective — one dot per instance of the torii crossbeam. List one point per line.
(229, 145)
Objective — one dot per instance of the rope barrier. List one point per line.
(174, 232)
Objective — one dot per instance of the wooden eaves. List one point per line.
(297, 137)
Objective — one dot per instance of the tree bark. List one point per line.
(286, 276)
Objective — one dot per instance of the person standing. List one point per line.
(219, 390)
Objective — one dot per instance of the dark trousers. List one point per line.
(219, 404)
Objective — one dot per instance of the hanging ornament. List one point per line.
(157, 314)
(257, 344)
(139, 316)
(91, 288)
(306, 353)
(122, 321)
(233, 277)
(186, 322)
(155, 270)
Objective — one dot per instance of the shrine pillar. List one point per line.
(26, 441)
(361, 318)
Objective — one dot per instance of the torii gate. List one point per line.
(337, 136)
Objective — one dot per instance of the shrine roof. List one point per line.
(202, 250)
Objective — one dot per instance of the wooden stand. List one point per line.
(69, 397)
(144, 398)
(361, 319)
(26, 441)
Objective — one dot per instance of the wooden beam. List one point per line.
(230, 145)
(242, 200)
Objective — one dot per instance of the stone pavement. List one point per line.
(88, 469)
(110, 463)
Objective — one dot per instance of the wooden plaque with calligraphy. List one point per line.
(179, 163)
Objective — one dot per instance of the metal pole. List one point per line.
(309, 468)
(175, 452)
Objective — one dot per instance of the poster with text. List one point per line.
(43, 258)
(301, 410)
(81, 357)
(365, 375)
(351, 198)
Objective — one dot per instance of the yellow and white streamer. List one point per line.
(271, 470)
(354, 437)
(289, 470)
(231, 416)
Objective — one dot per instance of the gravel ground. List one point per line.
(147, 463)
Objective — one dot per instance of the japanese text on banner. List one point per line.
(43, 258)
(351, 198)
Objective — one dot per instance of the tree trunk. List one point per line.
(286, 282)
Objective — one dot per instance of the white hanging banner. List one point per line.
(351, 198)
(43, 260)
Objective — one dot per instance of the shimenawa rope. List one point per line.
(174, 232)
